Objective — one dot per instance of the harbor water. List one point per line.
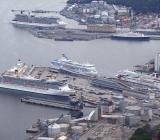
(108, 56)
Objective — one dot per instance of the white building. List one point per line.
(157, 63)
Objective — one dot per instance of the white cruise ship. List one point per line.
(40, 20)
(67, 65)
(29, 80)
(140, 78)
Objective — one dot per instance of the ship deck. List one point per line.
(42, 73)
(79, 83)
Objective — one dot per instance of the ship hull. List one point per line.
(130, 38)
(36, 26)
(46, 95)
(75, 73)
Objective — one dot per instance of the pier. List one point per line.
(49, 103)
(68, 34)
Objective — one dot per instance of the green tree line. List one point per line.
(141, 134)
(142, 6)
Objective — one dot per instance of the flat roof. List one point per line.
(133, 108)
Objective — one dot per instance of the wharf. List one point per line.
(81, 84)
(69, 34)
(49, 103)
(85, 89)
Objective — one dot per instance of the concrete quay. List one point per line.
(70, 34)
(49, 103)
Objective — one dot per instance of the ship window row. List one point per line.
(25, 82)
(77, 68)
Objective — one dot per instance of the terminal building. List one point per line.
(106, 28)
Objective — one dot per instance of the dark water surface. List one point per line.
(108, 56)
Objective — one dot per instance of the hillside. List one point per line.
(137, 5)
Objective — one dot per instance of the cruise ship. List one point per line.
(66, 65)
(38, 20)
(150, 81)
(107, 83)
(35, 81)
(130, 36)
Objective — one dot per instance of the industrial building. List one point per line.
(101, 28)
(136, 110)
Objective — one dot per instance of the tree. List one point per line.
(141, 134)
(158, 135)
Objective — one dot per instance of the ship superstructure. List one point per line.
(40, 20)
(67, 65)
(131, 36)
(33, 80)
(139, 78)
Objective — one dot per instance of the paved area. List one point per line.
(106, 131)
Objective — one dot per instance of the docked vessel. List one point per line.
(38, 20)
(130, 36)
(150, 81)
(67, 65)
(32, 80)
(107, 83)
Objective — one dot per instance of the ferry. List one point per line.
(66, 65)
(38, 20)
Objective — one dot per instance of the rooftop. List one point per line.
(133, 108)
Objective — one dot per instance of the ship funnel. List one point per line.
(64, 56)
(16, 72)
(20, 63)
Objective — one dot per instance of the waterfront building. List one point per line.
(101, 28)
(157, 62)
